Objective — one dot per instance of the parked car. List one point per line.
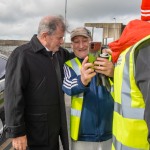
(3, 61)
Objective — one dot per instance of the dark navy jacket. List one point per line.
(97, 112)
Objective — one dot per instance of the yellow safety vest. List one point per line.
(76, 102)
(130, 131)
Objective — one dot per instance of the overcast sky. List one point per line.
(19, 18)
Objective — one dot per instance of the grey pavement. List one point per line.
(67, 102)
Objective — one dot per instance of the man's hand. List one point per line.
(104, 66)
(87, 72)
(19, 143)
(107, 50)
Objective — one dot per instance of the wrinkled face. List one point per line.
(80, 45)
(54, 41)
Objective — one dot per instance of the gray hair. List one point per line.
(49, 24)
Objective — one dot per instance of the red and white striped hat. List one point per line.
(145, 10)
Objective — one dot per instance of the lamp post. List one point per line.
(65, 21)
(114, 29)
(65, 10)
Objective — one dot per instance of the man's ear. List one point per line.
(43, 39)
(44, 35)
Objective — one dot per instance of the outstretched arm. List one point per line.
(75, 84)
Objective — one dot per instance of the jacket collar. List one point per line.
(36, 44)
(38, 47)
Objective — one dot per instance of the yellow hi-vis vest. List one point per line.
(76, 102)
(130, 131)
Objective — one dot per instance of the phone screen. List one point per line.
(94, 51)
(94, 47)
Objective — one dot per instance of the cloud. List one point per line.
(19, 19)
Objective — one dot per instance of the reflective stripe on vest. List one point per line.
(75, 112)
(130, 131)
(125, 109)
(76, 102)
(75, 64)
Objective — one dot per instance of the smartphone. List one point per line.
(94, 51)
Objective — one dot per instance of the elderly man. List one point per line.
(91, 105)
(34, 104)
